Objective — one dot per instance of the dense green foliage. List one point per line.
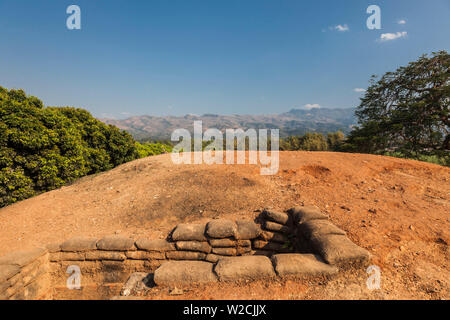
(313, 142)
(407, 112)
(147, 149)
(43, 148)
(440, 160)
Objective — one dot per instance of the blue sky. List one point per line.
(213, 56)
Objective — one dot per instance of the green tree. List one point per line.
(291, 143)
(314, 142)
(308, 142)
(406, 111)
(335, 140)
(43, 148)
(152, 149)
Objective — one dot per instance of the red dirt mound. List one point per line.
(397, 209)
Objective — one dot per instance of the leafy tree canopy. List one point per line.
(308, 142)
(406, 111)
(43, 148)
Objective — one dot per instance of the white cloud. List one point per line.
(392, 36)
(401, 21)
(342, 28)
(311, 106)
(359, 90)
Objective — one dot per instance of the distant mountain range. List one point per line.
(294, 122)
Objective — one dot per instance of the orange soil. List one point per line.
(397, 209)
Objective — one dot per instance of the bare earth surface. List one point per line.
(397, 209)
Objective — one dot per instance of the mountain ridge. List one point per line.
(292, 122)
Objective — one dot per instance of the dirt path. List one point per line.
(397, 209)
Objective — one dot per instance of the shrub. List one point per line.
(336, 140)
(152, 149)
(308, 142)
